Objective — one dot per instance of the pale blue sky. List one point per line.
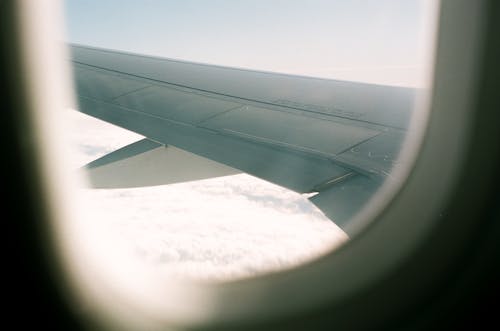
(358, 38)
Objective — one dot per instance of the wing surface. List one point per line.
(334, 138)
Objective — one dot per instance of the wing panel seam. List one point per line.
(235, 97)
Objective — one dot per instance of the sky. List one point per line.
(380, 41)
(236, 226)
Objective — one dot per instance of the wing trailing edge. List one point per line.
(344, 198)
(148, 163)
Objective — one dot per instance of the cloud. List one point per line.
(214, 229)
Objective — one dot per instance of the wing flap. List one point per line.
(147, 163)
(298, 171)
(341, 201)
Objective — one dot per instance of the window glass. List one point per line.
(343, 131)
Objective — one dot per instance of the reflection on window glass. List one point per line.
(227, 172)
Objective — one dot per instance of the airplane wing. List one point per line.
(337, 139)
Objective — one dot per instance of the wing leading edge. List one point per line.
(337, 139)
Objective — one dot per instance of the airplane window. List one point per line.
(248, 135)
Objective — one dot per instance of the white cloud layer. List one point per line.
(215, 229)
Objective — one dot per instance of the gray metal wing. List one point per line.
(339, 139)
